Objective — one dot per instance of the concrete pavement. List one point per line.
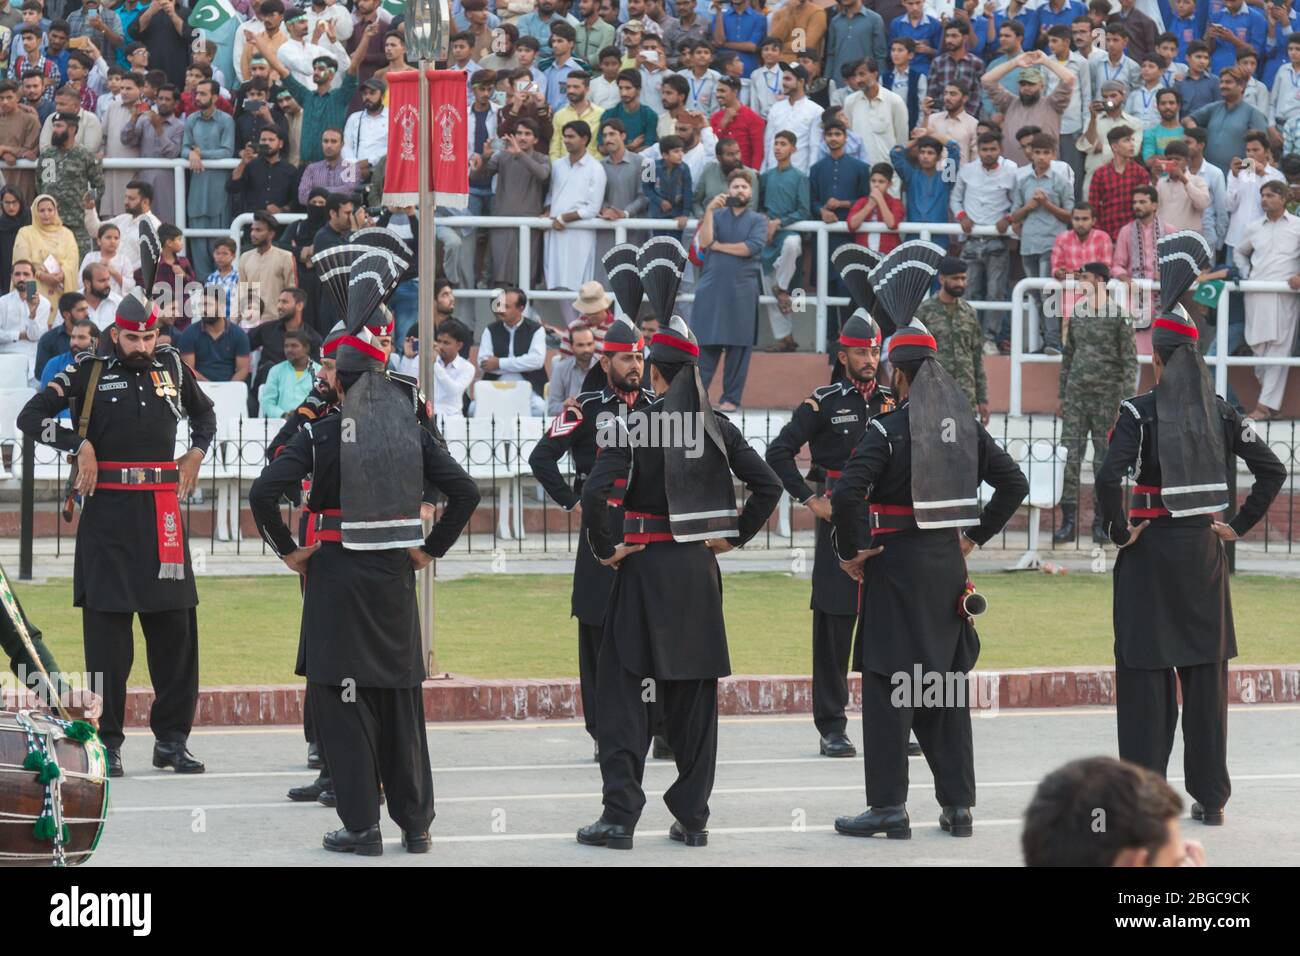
(514, 793)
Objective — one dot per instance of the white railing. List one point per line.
(525, 225)
(1220, 360)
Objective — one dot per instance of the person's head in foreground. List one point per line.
(1100, 811)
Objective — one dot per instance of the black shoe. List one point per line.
(957, 821)
(310, 793)
(1211, 818)
(326, 798)
(1065, 531)
(893, 822)
(177, 757)
(603, 833)
(660, 750)
(416, 842)
(314, 761)
(689, 837)
(913, 749)
(838, 745)
(1099, 535)
(115, 762)
(367, 842)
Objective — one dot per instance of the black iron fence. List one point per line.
(516, 516)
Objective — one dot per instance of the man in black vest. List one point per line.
(513, 348)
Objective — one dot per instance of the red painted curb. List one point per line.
(457, 698)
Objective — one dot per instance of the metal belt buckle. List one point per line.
(137, 476)
(873, 519)
(640, 519)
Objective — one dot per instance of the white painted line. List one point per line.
(595, 795)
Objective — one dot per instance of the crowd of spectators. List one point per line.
(1032, 119)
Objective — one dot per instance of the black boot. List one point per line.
(314, 761)
(366, 842)
(176, 756)
(310, 793)
(1212, 817)
(416, 842)
(114, 762)
(1065, 532)
(660, 750)
(603, 833)
(838, 745)
(689, 837)
(893, 822)
(957, 821)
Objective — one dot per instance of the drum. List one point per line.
(39, 805)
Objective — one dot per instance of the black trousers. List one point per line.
(172, 647)
(589, 638)
(309, 726)
(690, 722)
(376, 737)
(832, 646)
(944, 734)
(1147, 717)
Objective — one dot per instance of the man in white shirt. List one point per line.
(577, 192)
(299, 52)
(876, 114)
(699, 143)
(98, 289)
(1244, 182)
(1269, 250)
(521, 342)
(799, 115)
(24, 318)
(982, 197)
(90, 132)
(365, 134)
(138, 202)
(452, 374)
(334, 12)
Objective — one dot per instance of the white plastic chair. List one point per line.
(12, 401)
(13, 370)
(481, 447)
(504, 400)
(759, 428)
(1043, 464)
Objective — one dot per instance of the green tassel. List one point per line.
(34, 760)
(79, 730)
(45, 828)
(49, 772)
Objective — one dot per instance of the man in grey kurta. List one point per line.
(624, 197)
(158, 134)
(523, 175)
(714, 178)
(725, 316)
(209, 134)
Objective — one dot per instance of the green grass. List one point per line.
(519, 625)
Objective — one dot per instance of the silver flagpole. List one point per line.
(425, 29)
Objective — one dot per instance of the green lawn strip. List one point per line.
(519, 625)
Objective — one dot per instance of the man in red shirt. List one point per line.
(739, 122)
(1111, 191)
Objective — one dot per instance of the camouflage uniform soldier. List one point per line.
(1098, 368)
(956, 331)
(66, 172)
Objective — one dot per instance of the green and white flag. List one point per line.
(396, 7)
(211, 14)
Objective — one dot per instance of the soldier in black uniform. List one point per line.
(574, 432)
(920, 468)
(132, 556)
(664, 630)
(831, 423)
(360, 636)
(1173, 610)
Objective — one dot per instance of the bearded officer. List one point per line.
(132, 557)
(360, 628)
(831, 423)
(664, 629)
(574, 432)
(920, 468)
(1173, 609)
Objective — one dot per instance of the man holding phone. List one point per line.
(24, 314)
(98, 24)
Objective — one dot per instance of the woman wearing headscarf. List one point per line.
(14, 214)
(297, 238)
(1172, 607)
(51, 248)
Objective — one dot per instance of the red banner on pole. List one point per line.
(445, 137)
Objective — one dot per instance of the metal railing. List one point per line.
(1220, 361)
(496, 453)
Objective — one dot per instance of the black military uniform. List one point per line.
(664, 628)
(131, 555)
(831, 423)
(574, 432)
(1173, 609)
(921, 488)
(360, 635)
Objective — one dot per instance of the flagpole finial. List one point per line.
(426, 29)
